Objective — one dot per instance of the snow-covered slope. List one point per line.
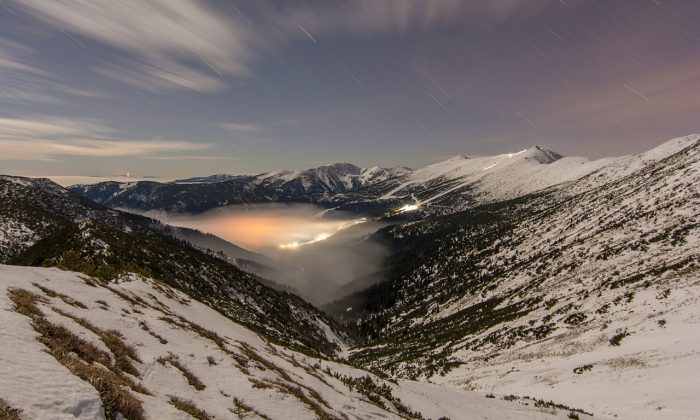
(587, 293)
(469, 170)
(73, 347)
(560, 279)
(645, 376)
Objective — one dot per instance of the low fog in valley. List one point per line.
(322, 255)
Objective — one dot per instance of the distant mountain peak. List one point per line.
(340, 165)
(541, 155)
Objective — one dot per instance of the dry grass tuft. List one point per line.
(192, 379)
(260, 384)
(241, 362)
(7, 412)
(313, 371)
(262, 362)
(211, 335)
(241, 406)
(89, 281)
(144, 326)
(123, 353)
(173, 321)
(67, 299)
(287, 385)
(312, 402)
(190, 408)
(241, 409)
(134, 300)
(114, 393)
(170, 293)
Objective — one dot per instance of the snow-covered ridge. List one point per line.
(172, 349)
(509, 175)
(333, 178)
(471, 169)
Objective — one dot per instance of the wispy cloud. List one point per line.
(165, 44)
(255, 127)
(11, 54)
(242, 127)
(47, 138)
(24, 81)
(255, 134)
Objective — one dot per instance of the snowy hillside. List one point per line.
(469, 170)
(74, 347)
(586, 293)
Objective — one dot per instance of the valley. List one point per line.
(560, 289)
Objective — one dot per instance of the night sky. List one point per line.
(180, 88)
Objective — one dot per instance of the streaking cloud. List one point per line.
(48, 137)
(163, 44)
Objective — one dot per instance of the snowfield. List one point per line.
(242, 377)
(645, 377)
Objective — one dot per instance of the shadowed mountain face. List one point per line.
(202, 194)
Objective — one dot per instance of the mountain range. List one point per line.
(195, 195)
